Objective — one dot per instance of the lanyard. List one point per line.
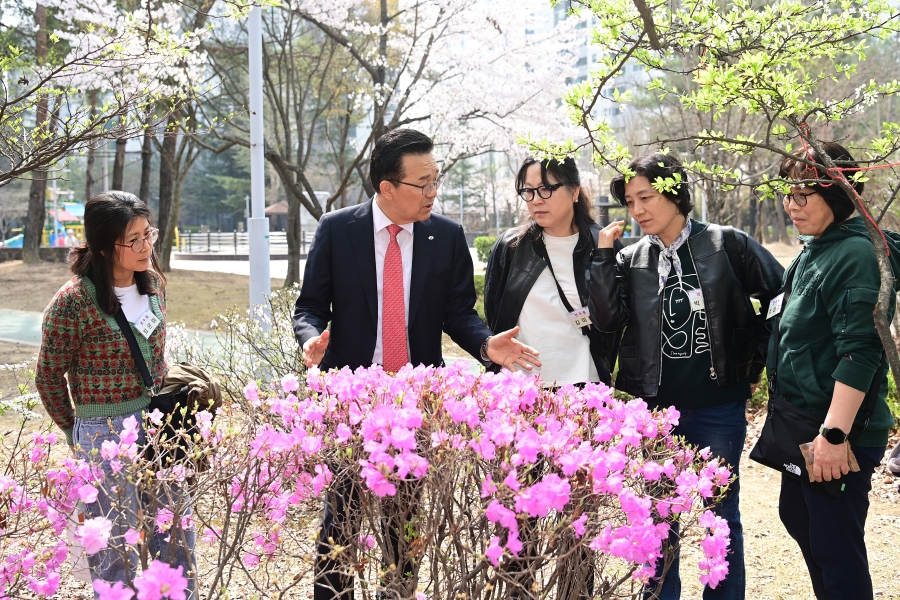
(542, 252)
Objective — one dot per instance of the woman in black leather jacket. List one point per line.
(692, 338)
(520, 291)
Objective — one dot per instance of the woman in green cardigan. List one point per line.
(89, 382)
(827, 358)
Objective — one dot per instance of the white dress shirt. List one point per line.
(382, 239)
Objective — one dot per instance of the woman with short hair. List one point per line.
(692, 338)
(827, 357)
(115, 269)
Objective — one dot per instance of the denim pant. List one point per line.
(118, 501)
(831, 532)
(723, 429)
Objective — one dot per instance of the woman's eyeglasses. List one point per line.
(799, 199)
(138, 244)
(545, 191)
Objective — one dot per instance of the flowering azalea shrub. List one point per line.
(441, 484)
(39, 493)
(452, 485)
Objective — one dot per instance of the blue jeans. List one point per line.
(723, 429)
(831, 532)
(118, 501)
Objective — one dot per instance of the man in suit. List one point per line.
(390, 277)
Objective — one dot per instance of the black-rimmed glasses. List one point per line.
(138, 244)
(545, 191)
(427, 189)
(799, 199)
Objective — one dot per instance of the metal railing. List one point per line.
(237, 243)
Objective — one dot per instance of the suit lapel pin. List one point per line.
(430, 237)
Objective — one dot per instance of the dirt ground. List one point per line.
(775, 568)
(194, 297)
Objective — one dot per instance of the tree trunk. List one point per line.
(119, 164)
(146, 164)
(752, 223)
(89, 170)
(293, 233)
(169, 238)
(36, 195)
(167, 182)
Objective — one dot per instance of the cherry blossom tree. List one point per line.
(131, 58)
(341, 74)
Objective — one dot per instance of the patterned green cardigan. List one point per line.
(84, 344)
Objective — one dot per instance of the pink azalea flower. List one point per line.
(578, 525)
(116, 591)
(251, 392)
(87, 493)
(251, 560)
(132, 536)
(44, 587)
(290, 383)
(94, 534)
(368, 541)
(161, 581)
(129, 433)
(156, 416)
(494, 551)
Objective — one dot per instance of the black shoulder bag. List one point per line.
(178, 417)
(787, 426)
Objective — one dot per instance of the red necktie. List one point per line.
(393, 307)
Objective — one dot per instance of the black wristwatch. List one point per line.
(832, 435)
(484, 346)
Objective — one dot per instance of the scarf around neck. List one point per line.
(669, 256)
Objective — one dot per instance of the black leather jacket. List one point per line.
(511, 273)
(623, 293)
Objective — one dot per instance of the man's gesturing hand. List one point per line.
(314, 348)
(503, 349)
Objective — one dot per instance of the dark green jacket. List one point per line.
(827, 328)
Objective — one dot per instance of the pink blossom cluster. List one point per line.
(34, 512)
(564, 457)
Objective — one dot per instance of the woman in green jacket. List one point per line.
(827, 358)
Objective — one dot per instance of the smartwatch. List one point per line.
(832, 435)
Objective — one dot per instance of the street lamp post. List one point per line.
(258, 223)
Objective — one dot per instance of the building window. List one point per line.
(581, 61)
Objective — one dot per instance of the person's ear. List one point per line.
(386, 189)
(576, 193)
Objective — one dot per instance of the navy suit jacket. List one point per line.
(339, 288)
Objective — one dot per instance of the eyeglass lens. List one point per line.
(138, 244)
(544, 192)
(799, 199)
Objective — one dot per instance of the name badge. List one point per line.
(695, 297)
(775, 306)
(147, 323)
(580, 317)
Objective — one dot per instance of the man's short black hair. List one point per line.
(386, 163)
(657, 166)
